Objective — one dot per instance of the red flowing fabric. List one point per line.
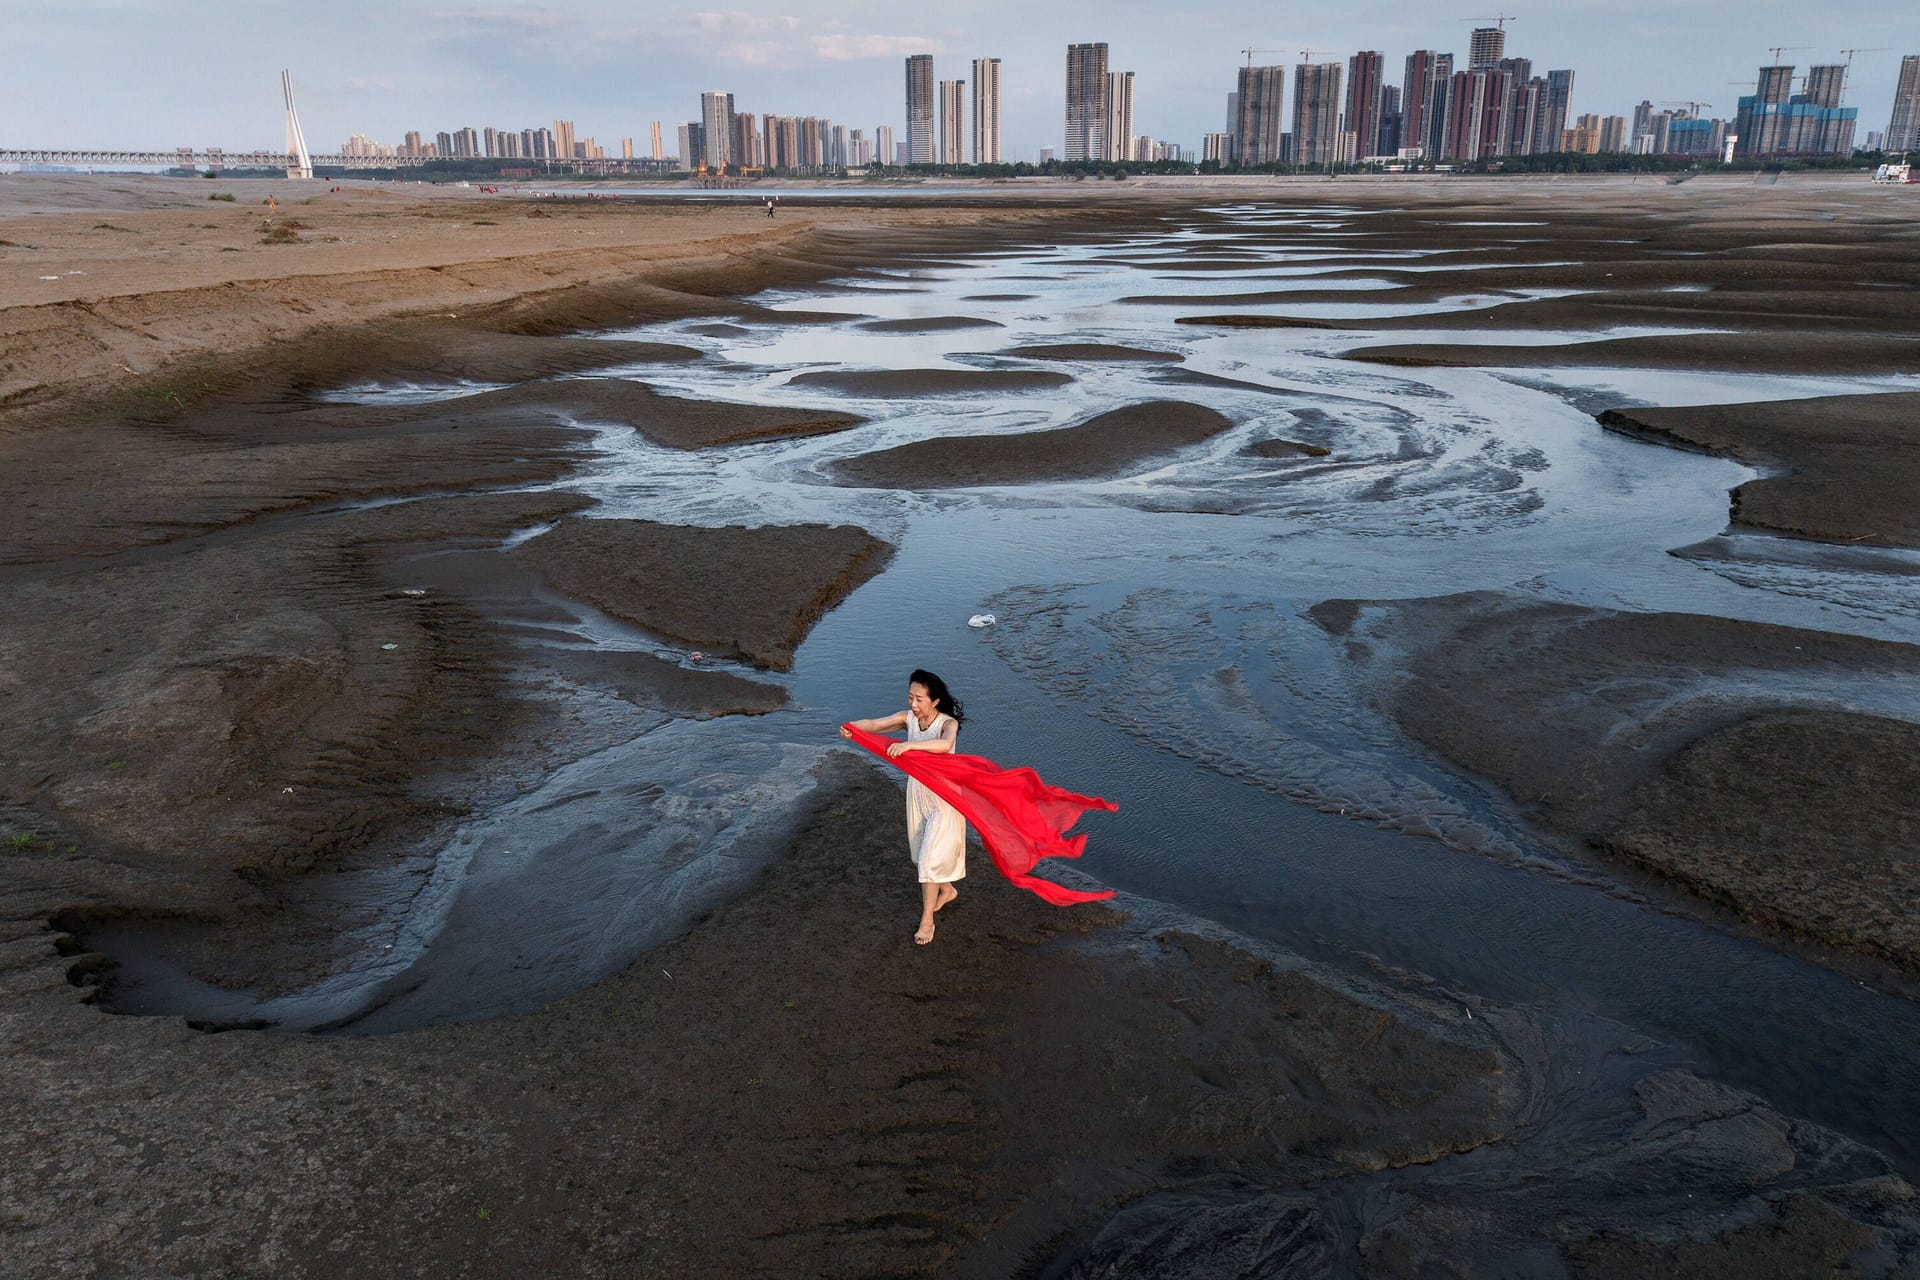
(1020, 818)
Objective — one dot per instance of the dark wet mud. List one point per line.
(1851, 463)
(743, 593)
(1108, 444)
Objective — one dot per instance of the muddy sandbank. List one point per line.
(539, 626)
(1852, 462)
(649, 681)
(1789, 283)
(929, 382)
(1277, 448)
(406, 354)
(1228, 321)
(930, 324)
(248, 710)
(1700, 748)
(1107, 444)
(734, 591)
(1106, 351)
(1248, 299)
(1812, 353)
(682, 422)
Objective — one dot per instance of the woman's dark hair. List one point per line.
(936, 688)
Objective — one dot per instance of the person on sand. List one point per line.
(936, 833)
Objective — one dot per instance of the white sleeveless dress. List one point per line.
(936, 833)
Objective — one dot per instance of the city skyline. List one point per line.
(95, 73)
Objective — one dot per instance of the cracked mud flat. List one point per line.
(1498, 1062)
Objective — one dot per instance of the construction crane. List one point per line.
(1251, 52)
(1499, 20)
(1848, 73)
(1306, 55)
(1778, 49)
(1693, 108)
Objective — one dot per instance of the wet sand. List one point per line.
(1091, 351)
(1693, 747)
(929, 324)
(1780, 353)
(734, 592)
(1107, 444)
(1816, 281)
(795, 1087)
(678, 422)
(1287, 449)
(204, 714)
(1852, 463)
(892, 383)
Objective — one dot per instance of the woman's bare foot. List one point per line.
(947, 894)
(924, 934)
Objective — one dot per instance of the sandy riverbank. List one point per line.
(203, 715)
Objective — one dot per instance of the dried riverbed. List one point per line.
(1425, 1013)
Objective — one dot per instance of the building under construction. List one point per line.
(1775, 121)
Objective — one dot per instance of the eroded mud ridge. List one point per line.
(1502, 829)
(1851, 463)
(1717, 752)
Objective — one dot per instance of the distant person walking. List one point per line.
(769, 206)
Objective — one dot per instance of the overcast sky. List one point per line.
(146, 73)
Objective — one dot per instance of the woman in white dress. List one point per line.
(936, 833)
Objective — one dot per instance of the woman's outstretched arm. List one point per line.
(884, 724)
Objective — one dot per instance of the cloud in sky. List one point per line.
(847, 48)
(525, 19)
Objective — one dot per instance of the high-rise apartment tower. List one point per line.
(1903, 130)
(1316, 114)
(920, 149)
(716, 130)
(953, 132)
(1257, 119)
(1488, 46)
(1086, 102)
(1364, 100)
(1553, 111)
(1118, 131)
(986, 111)
(1825, 85)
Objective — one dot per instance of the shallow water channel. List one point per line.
(1152, 647)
